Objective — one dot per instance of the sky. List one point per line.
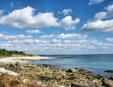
(57, 26)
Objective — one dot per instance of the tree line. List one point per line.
(4, 52)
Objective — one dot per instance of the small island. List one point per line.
(17, 70)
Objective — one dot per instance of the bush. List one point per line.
(4, 52)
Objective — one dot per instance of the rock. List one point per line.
(108, 83)
(85, 70)
(111, 77)
(73, 70)
(109, 71)
(69, 71)
(79, 85)
(69, 78)
(100, 76)
(95, 83)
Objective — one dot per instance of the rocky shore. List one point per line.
(47, 74)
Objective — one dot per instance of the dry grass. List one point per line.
(16, 81)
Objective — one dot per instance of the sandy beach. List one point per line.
(26, 59)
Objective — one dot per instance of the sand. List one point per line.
(21, 59)
(12, 60)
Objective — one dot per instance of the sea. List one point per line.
(98, 63)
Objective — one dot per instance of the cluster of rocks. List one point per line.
(48, 74)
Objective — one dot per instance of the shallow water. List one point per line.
(97, 63)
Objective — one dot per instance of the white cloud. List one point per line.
(109, 39)
(1, 12)
(66, 11)
(102, 21)
(56, 40)
(100, 15)
(83, 41)
(64, 36)
(106, 14)
(14, 37)
(33, 31)
(55, 44)
(67, 36)
(25, 18)
(29, 41)
(47, 36)
(68, 23)
(99, 25)
(91, 2)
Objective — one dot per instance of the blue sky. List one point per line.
(57, 26)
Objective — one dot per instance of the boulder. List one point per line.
(95, 83)
(108, 83)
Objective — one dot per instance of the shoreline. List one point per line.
(47, 74)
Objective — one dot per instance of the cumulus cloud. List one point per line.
(105, 14)
(25, 18)
(67, 36)
(66, 11)
(1, 12)
(109, 39)
(99, 25)
(28, 41)
(102, 21)
(62, 44)
(100, 15)
(91, 2)
(68, 23)
(47, 36)
(14, 37)
(64, 36)
(56, 41)
(33, 31)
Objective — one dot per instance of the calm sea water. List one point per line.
(97, 63)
